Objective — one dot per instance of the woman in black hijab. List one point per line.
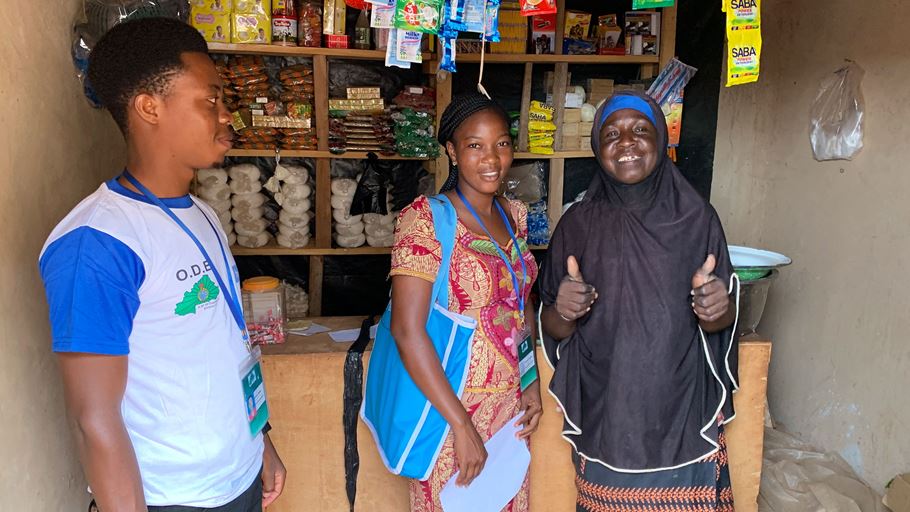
(639, 322)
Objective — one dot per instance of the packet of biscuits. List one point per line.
(537, 7)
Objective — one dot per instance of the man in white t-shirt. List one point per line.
(144, 297)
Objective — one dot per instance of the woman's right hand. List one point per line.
(575, 296)
(470, 453)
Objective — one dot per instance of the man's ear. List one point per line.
(450, 149)
(146, 107)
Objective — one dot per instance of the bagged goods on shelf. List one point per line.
(225, 219)
(211, 176)
(251, 228)
(294, 220)
(343, 217)
(375, 218)
(292, 174)
(213, 193)
(295, 240)
(246, 215)
(355, 228)
(350, 242)
(344, 187)
(253, 241)
(297, 206)
(245, 187)
(385, 241)
(253, 200)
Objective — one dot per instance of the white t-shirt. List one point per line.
(123, 278)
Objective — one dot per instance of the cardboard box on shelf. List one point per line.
(570, 129)
(571, 115)
(573, 101)
(543, 34)
(513, 32)
(584, 128)
(363, 93)
(585, 143)
(571, 142)
(212, 6)
(578, 24)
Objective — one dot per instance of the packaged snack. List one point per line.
(418, 15)
(467, 16)
(535, 7)
(211, 6)
(309, 25)
(214, 27)
(541, 126)
(261, 7)
(743, 56)
(251, 28)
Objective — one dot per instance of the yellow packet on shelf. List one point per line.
(544, 141)
(743, 57)
(214, 27)
(743, 15)
(541, 150)
(251, 29)
(539, 105)
(541, 126)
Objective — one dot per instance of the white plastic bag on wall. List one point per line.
(836, 118)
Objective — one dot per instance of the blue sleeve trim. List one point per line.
(92, 284)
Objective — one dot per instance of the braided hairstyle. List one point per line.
(459, 110)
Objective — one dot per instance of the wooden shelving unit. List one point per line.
(350, 155)
(321, 243)
(507, 58)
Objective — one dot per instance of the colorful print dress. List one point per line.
(480, 286)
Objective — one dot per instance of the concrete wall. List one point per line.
(839, 315)
(54, 150)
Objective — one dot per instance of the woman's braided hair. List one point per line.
(460, 109)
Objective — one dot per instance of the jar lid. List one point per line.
(260, 284)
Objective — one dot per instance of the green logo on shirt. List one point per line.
(203, 291)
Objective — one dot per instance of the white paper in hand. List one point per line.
(507, 463)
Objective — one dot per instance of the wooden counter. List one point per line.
(304, 382)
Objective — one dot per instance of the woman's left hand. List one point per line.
(709, 296)
(530, 404)
(273, 473)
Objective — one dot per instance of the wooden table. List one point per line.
(304, 381)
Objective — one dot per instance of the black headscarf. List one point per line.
(640, 389)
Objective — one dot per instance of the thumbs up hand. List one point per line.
(575, 297)
(709, 296)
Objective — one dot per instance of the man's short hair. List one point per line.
(139, 56)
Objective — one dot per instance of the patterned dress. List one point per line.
(480, 286)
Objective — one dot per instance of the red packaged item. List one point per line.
(535, 7)
(309, 26)
(336, 41)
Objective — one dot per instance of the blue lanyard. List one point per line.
(519, 292)
(230, 294)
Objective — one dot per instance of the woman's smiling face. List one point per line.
(628, 146)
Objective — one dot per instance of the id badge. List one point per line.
(255, 404)
(527, 366)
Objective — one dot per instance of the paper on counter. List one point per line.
(349, 335)
(507, 464)
(309, 331)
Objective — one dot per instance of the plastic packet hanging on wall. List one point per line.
(409, 46)
(382, 16)
(536, 7)
(836, 122)
(491, 31)
(743, 57)
(447, 61)
(670, 83)
(651, 4)
(743, 14)
(467, 16)
(419, 15)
